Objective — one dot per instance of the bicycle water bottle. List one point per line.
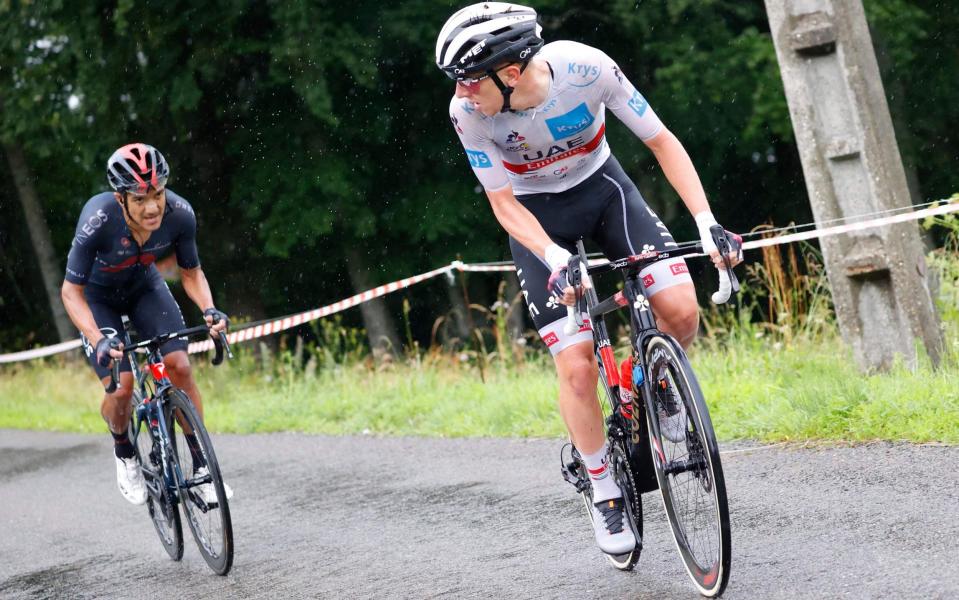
(627, 397)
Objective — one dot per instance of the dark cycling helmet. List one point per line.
(483, 36)
(135, 168)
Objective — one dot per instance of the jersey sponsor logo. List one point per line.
(551, 339)
(638, 103)
(555, 149)
(574, 146)
(582, 75)
(513, 138)
(618, 74)
(143, 259)
(648, 280)
(478, 159)
(183, 206)
(571, 123)
(549, 105)
(679, 268)
(468, 107)
(92, 224)
(456, 124)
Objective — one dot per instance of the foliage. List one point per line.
(302, 129)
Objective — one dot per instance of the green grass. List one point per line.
(757, 389)
(789, 378)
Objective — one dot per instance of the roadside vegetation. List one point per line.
(773, 369)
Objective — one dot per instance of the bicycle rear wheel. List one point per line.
(162, 507)
(688, 470)
(209, 520)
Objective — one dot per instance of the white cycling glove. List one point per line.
(556, 257)
(704, 221)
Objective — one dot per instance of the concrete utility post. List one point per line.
(852, 166)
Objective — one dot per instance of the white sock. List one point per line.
(604, 487)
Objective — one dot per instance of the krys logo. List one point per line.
(571, 123)
(582, 75)
(478, 160)
(638, 103)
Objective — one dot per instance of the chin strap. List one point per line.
(504, 89)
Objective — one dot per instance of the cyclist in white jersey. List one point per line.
(531, 118)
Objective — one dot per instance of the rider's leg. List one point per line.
(181, 375)
(578, 402)
(677, 312)
(579, 407)
(116, 407)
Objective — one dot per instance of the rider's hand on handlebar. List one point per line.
(559, 286)
(557, 258)
(704, 221)
(108, 349)
(216, 320)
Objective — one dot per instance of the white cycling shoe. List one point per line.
(207, 491)
(130, 480)
(611, 527)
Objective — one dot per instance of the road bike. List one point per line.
(175, 453)
(653, 387)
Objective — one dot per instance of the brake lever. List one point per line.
(730, 285)
(114, 377)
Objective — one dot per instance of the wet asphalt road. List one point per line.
(322, 517)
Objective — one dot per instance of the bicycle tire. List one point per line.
(211, 525)
(163, 510)
(689, 471)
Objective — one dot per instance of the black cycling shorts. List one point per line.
(606, 208)
(151, 309)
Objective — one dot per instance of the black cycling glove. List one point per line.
(103, 350)
(217, 316)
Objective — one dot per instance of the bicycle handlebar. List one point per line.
(577, 272)
(220, 345)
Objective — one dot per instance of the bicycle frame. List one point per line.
(150, 408)
(642, 320)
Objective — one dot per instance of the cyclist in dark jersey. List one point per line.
(111, 272)
(531, 117)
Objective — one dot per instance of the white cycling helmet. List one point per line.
(480, 37)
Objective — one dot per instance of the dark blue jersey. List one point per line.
(104, 252)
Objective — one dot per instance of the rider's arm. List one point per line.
(518, 222)
(631, 108)
(79, 311)
(475, 133)
(679, 170)
(197, 288)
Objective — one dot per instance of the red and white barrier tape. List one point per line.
(243, 334)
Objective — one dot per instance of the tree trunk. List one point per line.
(380, 329)
(8, 271)
(40, 237)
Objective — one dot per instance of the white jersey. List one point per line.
(561, 142)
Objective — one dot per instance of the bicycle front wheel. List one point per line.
(160, 503)
(202, 494)
(687, 465)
